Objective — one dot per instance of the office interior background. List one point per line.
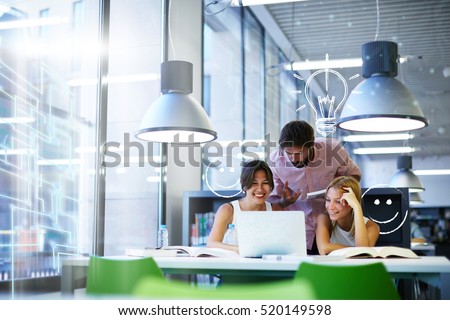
(76, 78)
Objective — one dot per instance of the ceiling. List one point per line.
(340, 27)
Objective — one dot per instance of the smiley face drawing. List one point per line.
(221, 179)
(388, 207)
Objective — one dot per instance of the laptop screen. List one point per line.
(271, 232)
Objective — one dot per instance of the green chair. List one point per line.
(108, 276)
(149, 288)
(274, 290)
(356, 282)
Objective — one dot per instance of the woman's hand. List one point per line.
(349, 198)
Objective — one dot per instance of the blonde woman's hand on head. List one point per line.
(349, 198)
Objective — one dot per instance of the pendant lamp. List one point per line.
(381, 103)
(415, 198)
(176, 117)
(405, 178)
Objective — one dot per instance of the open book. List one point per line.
(374, 252)
(201, 252)
(149, 252)
(180, 251)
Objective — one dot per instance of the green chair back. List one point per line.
(119, 276)
(275, 290)
(356, 282)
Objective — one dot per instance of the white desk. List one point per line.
(432, 270)
(423, 248)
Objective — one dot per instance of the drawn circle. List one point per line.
(213, 7)
(218, 192)
(395, 215)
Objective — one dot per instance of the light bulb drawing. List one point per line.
(327, 107)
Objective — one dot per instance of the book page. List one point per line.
(357, 252)
(202, 251)
(395, 252)
(374, 252)
(149, 252)
(216, 252)
(181, 250)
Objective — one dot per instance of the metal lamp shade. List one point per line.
(407, 179)
(414, 198)
(176, 117)
(381, 104)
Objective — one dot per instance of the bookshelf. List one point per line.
(195, 202)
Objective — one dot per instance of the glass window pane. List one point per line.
(289, 95)
(132, 176)
(223, 97)
(272, 76)
(47, 137)
(254, 69)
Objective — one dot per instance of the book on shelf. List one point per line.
(201, 228)
(201, 252)
(374, 252)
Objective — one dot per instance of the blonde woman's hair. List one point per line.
(340, 183)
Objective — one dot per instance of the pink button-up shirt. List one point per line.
(330, 161)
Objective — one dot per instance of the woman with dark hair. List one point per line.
(344, 224)
(256, 183)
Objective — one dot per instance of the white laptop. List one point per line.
(271, 232)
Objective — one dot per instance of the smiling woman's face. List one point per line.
(260, 188)
(336, 208)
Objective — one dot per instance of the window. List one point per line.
(248, 96)
(132, 184)
(223, 70)
(48, 123)
(78, 16)
(44, 13)
(47, 140)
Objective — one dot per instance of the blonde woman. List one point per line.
(344, 224)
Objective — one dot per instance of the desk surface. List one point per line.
(423, 247)
(427, 264)
(433, 270)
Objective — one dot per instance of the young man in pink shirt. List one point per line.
(304, 164)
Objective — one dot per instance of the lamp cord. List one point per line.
(170, 30)
(378, 22)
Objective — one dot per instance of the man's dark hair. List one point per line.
(248, 173)
(297, 134)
